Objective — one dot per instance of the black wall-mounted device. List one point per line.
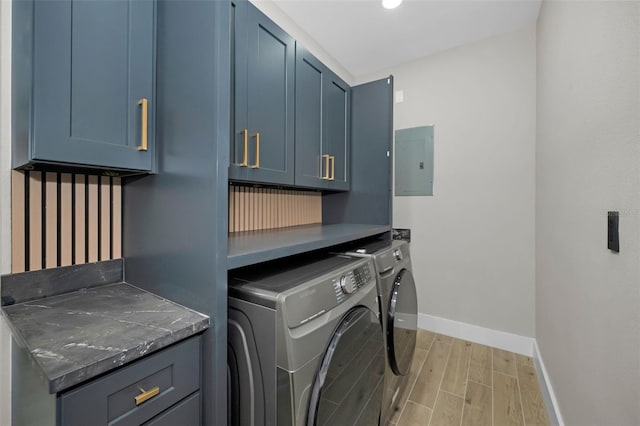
(613, 240)
(402, 234)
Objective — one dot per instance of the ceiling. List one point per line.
(365, 38)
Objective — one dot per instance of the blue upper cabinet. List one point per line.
(336, 135)
(322, 125)
(263, 112)
(83, 80)
(312, 169)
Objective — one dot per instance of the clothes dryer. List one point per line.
(305, 344)
(399, 310)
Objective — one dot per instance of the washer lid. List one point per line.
(263, 283)
(386, 254)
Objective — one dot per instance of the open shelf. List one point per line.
(248, 248)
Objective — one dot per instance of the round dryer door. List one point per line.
(402, 323)
(347, 389)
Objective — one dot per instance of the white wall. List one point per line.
(5, 201)
(473, 240)
(588, 162)
(269, 8)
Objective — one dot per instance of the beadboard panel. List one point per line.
(62, 219)
(254, 209)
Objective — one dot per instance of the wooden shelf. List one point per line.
(248, 248)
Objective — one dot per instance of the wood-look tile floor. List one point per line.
(458, 383)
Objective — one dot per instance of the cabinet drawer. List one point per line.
(111, 400)
(184, 413)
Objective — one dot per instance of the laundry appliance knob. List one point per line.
(347, 285)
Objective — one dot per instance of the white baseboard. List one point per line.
(473, 333)
(502, 340)
(550, 401)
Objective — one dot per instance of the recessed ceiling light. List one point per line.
(391, 4)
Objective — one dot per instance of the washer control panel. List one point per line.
(362, 275)
(351, 281)
(347, 284)
(397, 253)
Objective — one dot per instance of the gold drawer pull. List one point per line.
(333, 168)
(146, 395)
(245, 162)
(327, 158)
(257, 165)
(144, 111)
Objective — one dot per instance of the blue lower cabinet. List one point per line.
(184, 413)
(84, 83)
(155, 390)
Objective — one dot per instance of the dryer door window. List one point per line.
(402, 323)
(347, 389)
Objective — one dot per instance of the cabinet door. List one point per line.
(370, 174)
(336, 132)
(93, 65)
(311, 168)
(270, 99)
(239, 155)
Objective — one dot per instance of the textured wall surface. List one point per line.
(252, 209)
(587, 163)
(62, 219)
(473, 241)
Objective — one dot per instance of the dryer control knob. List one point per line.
(347, 285)
(397, 253)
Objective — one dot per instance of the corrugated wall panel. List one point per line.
(253, 209)
(92, 216)
(18, 222)
(105, 218)
(60, 219)
(51, 220)
(66, 215)
(35, 221)
(80, 223)
(116, 217)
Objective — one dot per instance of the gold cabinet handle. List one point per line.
(333, 168)
(327, 158)
(146, 395)
(144, 111)
(245, 161)
(257, 165)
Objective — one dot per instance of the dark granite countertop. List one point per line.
(78, 335)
